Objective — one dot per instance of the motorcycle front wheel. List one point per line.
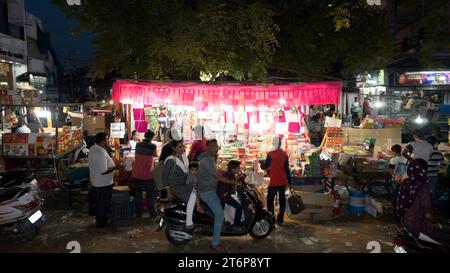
(262, 228)
(28, 230)
(177, 242)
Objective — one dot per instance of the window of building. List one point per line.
(5, 76)
(3, 11)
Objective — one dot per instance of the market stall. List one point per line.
(242, 117)
(34, 135)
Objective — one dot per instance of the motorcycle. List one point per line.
(258, 222)
(405, 242)
(15, 177)
(20, 211)
(82, 152)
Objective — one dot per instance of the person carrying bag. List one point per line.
(295, 203)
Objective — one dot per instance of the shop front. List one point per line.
(242, 117)
(419, 96)
(415, 97)
(37, 134)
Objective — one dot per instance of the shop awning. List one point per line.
(201, 96)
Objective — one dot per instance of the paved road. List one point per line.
(344, 235)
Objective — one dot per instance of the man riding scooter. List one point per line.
(207, 188)
(258, 222)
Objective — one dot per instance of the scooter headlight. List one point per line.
(399, 249)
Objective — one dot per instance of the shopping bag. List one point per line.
(295, 203)
(230, 212)
(255, 178)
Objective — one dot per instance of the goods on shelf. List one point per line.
(41, 144)
(334, 140)
(379, 122)
(370, 165)
(314, 166)
(355, 150)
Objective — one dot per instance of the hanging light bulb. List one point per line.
(420, 120)
(379, 104)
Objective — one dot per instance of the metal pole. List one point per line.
(57, 129)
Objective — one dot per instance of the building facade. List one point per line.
(13, 45)
(27, 59)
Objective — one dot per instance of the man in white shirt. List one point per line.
(23, 128)
(101, 169)
(355, 107)
(419, 148)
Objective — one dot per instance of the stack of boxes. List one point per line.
(40, 144)
(17, 145)
(69, 138)
(314, 169)
(335, 140)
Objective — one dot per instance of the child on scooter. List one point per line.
(194, 201)
(226, 190)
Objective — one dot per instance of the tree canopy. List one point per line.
(242, 39)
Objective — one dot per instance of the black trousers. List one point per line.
(272, 192)
(103, 196)
(149, 187)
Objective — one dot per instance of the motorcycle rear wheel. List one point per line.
(262, 228)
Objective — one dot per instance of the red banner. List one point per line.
(201, 96)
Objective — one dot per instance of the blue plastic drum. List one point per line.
(356, 202)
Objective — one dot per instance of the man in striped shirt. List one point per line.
(436, 161)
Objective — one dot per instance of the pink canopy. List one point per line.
(202, 95)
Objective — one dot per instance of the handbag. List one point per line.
(295, 203)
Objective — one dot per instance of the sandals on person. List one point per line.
(190, 227)
(218, 249)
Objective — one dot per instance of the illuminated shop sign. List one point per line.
(424, 78)
(370, 79)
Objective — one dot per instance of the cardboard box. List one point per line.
(307, 188)
(318, 214)
(318, 207)
(16, 149)
(15, 138)
(94, 124)
(357, 136)
(316, 199)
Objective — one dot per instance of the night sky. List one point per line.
(63, 42)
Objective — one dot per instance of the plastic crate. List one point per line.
(132, 206)
(120, 208)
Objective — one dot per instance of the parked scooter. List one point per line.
(405, 242)
(82, 152)
(258, 222)
(15, 177)
(20, 211)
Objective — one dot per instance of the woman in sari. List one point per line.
(414, 204)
